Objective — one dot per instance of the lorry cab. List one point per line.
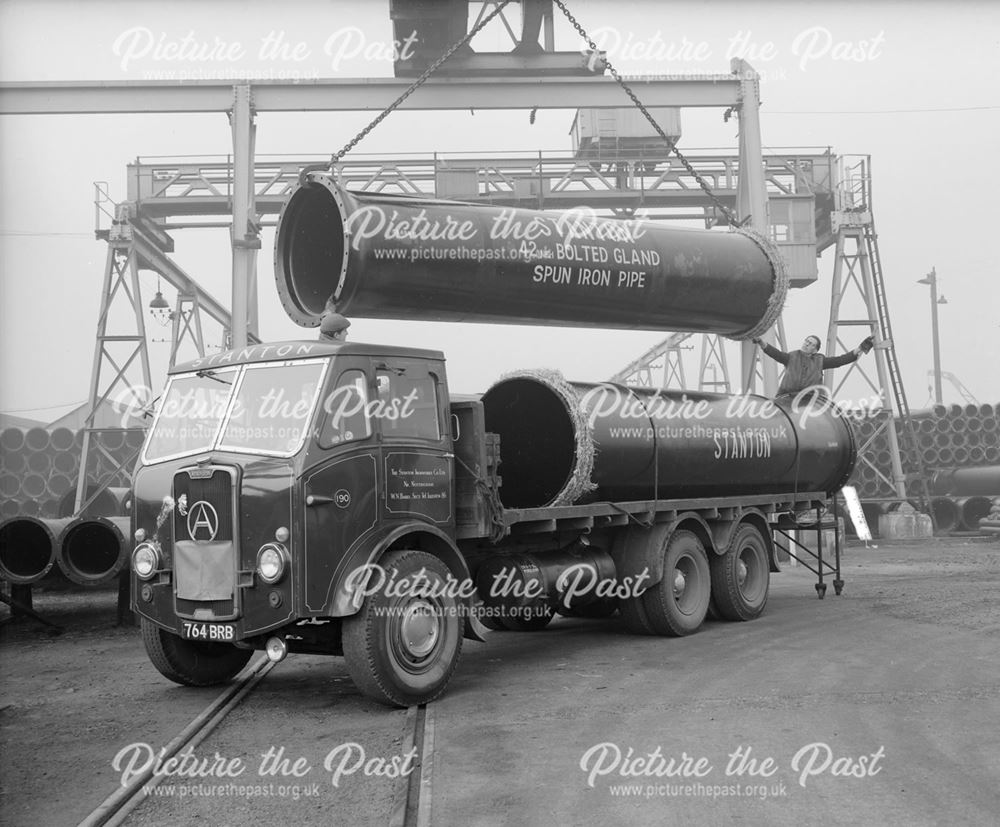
(268, 476)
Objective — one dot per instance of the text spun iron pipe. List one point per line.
(397, 257)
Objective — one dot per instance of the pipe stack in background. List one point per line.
(39, 468)
(39, 530)
(959, 446)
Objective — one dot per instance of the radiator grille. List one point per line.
(215, 490)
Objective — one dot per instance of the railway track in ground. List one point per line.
(411, 803)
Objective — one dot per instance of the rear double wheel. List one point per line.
(403, 646)
(676, 605)
(741, 577)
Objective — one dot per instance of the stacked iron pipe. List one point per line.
(89, 550)
(39, 530)
(959, 447)
(39, 467)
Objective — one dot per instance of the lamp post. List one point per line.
(931, 279)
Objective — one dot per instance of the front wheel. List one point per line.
(192, 662)
(402, 648)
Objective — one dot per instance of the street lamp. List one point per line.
(931, 279)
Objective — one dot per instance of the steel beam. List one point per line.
(363, 94)
(751, 199)
(245, 236)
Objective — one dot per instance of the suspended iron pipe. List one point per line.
(396, 257)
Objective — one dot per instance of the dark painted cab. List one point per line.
(272, 472)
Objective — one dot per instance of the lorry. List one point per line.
(333, 497)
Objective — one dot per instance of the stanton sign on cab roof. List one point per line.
(280, 351)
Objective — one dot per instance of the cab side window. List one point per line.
(346, 410)
(407, 406)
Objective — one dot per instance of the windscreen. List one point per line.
(273, 407)
(190, 414)
(270, 414)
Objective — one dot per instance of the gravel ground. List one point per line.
(906, 660)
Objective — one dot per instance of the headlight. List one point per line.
(145, 561)
(272, 560)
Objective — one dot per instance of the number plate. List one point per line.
(208, 631)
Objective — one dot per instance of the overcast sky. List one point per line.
(912, 84)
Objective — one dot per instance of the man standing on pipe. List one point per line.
(804, 368)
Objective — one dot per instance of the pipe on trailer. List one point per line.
(570, 442)
(94, 549)
(397, 257)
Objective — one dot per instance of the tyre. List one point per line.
(677, 605)
(741, 577)
(192, 662)
(634, 616)
(402, 649)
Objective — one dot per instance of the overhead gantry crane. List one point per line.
(506, 87)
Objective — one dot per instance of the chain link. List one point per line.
(416, 84)
(730, 217)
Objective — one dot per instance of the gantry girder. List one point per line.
(361, 94)
(171, 188)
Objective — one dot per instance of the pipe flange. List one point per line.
(775, 304)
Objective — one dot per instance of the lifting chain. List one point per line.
(412, 88)
(730, 218)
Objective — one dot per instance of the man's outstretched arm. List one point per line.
(773, 352)
(850, 356)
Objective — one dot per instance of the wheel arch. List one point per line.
(639, 549)
(416, 535)
(759, 521)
